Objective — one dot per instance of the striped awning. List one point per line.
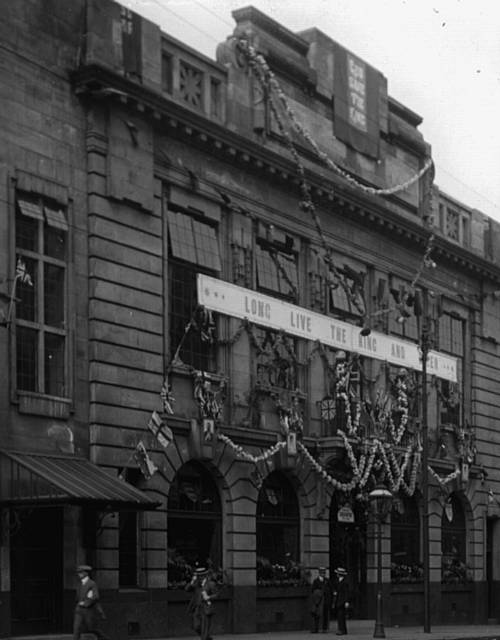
(31, 478)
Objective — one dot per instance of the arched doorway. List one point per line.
(348, 519)
(278, 529)
(194, 523)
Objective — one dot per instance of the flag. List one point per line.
(291, 442)
(160, 430)
(272, 497)
(166, 397)
(143, 461)
(22, 274)
(191, 491)
(208, 429)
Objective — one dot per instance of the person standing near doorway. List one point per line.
(341, 600)
(88, 607)
(201, 608)
(321, 602)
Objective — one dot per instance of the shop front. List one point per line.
(43, 500)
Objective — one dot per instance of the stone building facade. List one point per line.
(216, 279)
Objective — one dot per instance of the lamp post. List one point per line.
(381, 500)
(425, 345)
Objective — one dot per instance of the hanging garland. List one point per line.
(241, 453)
(444, 481)
(290, 416)
(409, 489)
(270, 84)
(342, 486)
(401, 410)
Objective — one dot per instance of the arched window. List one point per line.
(278, 528)
(405, 541)
(194, 523)
(453, 542)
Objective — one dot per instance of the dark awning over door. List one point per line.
(30, 479)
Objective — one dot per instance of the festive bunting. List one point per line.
(160, 430)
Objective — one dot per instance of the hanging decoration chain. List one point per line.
(268, 80)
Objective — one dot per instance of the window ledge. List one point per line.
(43, 405)
(188, 371)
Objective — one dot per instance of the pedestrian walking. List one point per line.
(341, 600)
(201, 607)
(88, 608)
(321, 602)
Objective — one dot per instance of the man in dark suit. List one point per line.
(201, 608)
(88, 608)
(321, 602)
(341, 600)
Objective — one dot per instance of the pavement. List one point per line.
(357, 630)
(363, 630)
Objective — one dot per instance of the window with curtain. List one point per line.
(193, 248)
(41, 237)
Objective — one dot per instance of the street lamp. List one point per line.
(425, 346)
(381, 500)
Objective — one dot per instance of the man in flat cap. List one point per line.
(341, 600)
(321, 602)
(88, 608)
(201, 608)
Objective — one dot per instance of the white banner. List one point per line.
(232, 300)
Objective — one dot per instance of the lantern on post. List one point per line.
(381, 501)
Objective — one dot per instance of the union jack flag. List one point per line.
(22, 274)
(166, 396)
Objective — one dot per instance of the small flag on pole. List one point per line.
(21, 274)
(160, 430)
(144, 462)
(167, 397)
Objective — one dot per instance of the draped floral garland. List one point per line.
(269, 83)
(395, 471)
(376, 453)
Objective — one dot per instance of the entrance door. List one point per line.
(348, 550)
(36, 564)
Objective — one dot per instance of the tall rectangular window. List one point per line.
(346, 289)
(41, 237)
(166, 73)
(277, 263)
(401, 319)
(451, 340)
(193, 248)
(128, 546)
